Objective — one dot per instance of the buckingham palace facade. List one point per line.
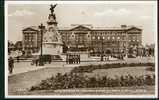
(109, 40)
(86, 38)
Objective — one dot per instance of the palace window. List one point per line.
(54, 46)
(113, 38)
(93, 37)
(25, 38)
(81, 38)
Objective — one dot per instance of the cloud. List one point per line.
(22, 13)
(145, 17)
(113, 12)
(123, 11)
(83, 12)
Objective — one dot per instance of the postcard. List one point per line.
(81, 49)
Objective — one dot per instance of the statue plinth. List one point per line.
(52, 41)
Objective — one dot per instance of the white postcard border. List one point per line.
(70, 96)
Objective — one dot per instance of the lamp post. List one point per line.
(77, 42)
(101, 38)
(41, 30)
(118, 39)
(92, 47)
(137, 48)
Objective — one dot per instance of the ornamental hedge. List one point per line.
(90, 68)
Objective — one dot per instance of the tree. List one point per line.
(18, 45)
(11, 46)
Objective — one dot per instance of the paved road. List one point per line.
(22, 67)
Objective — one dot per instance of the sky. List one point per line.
(99, 15)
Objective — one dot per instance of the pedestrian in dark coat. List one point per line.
(36, 62)
(79, 58)
(69, 56)
(17, 58)
(11, 65)
(76, 59)
(66, 58)
(70, 59)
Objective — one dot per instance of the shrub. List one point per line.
(78, 80)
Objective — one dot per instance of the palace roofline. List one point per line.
(89, 27)
(99, 28)
(32, 27)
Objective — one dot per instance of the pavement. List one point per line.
(22, 67)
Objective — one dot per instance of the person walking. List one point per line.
(17, 58)
(76, 59)
(69, 59)
(66, 58)
(37, 60)
(11, 65)
(73, 59)
(79, 58)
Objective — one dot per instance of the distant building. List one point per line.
(113, 40)
(31, 40)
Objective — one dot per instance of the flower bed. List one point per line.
(79, 80)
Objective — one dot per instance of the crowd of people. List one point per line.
(73, 59)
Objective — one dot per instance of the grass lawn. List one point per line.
(113, 72)
(21, 82)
